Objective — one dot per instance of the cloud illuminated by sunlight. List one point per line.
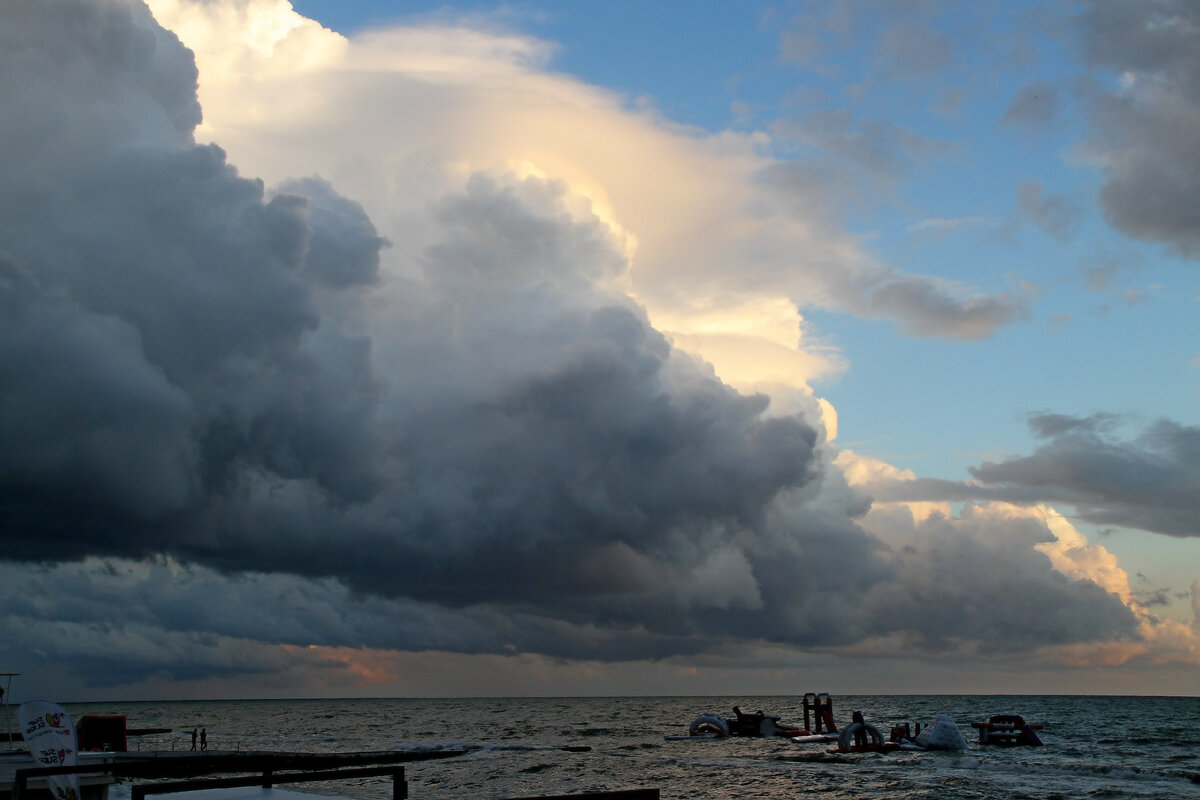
(395, 116)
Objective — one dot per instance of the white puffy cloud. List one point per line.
(429, 103)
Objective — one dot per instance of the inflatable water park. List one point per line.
(859, 736)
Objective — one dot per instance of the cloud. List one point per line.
(881, 150)
(948, 226)
(236, 383)
(914, 47)
(430, 102)
(1146, 481)
(999, 544)
(900, 42)
(343, 248)
(950, 570)
(1196, 603)
(930, 308)
(435, 415)
(1035, 105)
(165, 332)
(1145, 120)
(1053, 214)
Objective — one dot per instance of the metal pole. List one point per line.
(8, 723)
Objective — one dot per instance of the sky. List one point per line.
(368, 348)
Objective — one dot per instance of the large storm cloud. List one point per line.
(192, 371)
(486, 447)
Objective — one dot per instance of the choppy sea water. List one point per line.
(1121, 747)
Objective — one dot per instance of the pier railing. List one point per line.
(263, 769)
(267, 766)
(268, 779)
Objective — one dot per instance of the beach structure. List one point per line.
(711, 725)
(1008, 730)
(818, 722)
(820, 707)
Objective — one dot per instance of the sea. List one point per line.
(1094, 747)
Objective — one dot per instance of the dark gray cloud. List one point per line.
(1146, 118)
(194, 370)
(955, 581)
(928, 307)
(1149, 481)
(218, 398)
(546, 449)
(165, 333)
(343, 249)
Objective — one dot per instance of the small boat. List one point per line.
(1008, 730)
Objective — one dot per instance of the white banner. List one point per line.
(50, 734)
